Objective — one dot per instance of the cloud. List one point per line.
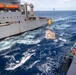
(28, 1)
(64, 1)
(50, 4)
(38, 4)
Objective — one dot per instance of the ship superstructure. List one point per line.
(15, 18)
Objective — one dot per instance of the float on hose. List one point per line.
(49, 21)
(49, 34)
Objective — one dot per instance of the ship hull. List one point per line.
(17, 24)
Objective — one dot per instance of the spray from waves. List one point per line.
(4, 45)
(13, 66)
(30, 38)
(26, 38)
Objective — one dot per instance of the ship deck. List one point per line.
(72, 69)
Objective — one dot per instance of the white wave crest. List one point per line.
(56, 40)
(29, 41)
(10, 57)
(29, 36)
(61, 34)
(64, 40)
(6, 45)
(45, 67)
(26, 38)
(33, 64)
(63, 26)
(60, 19)
(13, 66)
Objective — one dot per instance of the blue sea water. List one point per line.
(31, 54)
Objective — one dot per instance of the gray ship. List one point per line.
(16, 19)
(68, 67)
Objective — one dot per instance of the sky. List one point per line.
(48, 5)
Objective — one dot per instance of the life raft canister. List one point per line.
(15, 6)
(1, 6)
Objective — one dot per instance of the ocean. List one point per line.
(31, 54)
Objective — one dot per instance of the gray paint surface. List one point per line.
(17, 28)
(72, 69)
(14, 21)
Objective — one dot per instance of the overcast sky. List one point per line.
(50, 4)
